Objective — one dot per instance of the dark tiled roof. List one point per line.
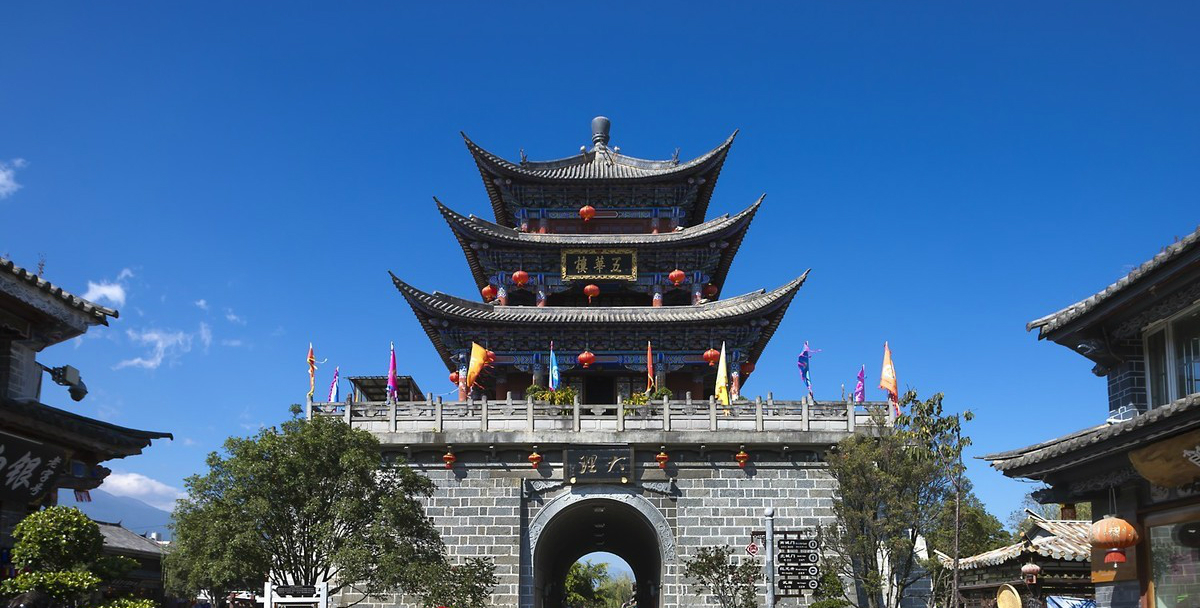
(1099, 441)
(700, 233)
(119, 440)
(599, 163)
(99, 313)
(1054, 538)
(748, 305)
(123, 541)
(375, 387)
(1049, 323)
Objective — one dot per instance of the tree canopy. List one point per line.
(732, 585)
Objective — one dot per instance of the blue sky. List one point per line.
(238, 179)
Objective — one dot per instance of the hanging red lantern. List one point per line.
(712, 355)
(1115, 535)
(1031, 570)
(535, 459)
(449, 458)
(677, 276)
(710, 291)
(489, 293)
(662, 459)
(586, 358)
(742, 458)
(587, 212)
(746, 369)
(489, 356)
(454, 377)
(520, 278)
(591, 291)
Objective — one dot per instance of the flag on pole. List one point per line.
(887, 378)
(312, 371)
(722, 389)
(649, 368)
(553, 368)
(860, 389)
(392, 392)
(334, 393)
(476, 365)
(803, 362)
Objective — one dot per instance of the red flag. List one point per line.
(649, 368)
(312, 371)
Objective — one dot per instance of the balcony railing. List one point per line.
(510, 415)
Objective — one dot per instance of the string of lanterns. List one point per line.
(743, 458)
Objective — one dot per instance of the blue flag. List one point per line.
(553, 369)
(802, 362)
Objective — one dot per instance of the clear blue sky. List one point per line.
(247, 173)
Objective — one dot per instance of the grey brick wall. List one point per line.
(1127, 381)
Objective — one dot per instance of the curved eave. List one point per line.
(471, 228)
(492, 166)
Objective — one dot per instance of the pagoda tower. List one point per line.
(601, 254)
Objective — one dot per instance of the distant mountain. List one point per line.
(129, 512)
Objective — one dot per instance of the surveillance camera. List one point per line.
(78, 390)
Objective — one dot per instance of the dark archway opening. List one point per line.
(596, 525)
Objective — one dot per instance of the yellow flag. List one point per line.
(722, 389)
(478, 360)
(887, 377)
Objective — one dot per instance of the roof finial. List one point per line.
(600, 126)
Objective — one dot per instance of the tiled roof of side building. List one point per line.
(1052, 322)
(123, 541)
(1054, 538)
(1099, 441)
(121, 440)
(99, 313)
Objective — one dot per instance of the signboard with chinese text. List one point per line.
(598, 465)
(797, 554)
(600, 264)
(28, 468)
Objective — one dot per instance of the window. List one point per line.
(1173, 358)
(1175, 559)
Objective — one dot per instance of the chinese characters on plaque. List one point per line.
(28, 470)
(597, 465)
(611, 264)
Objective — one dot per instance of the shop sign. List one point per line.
(1170, 463)
(28, 469)
(598, 465)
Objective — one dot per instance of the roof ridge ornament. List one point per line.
(600, 128)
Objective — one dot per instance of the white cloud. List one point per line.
(233, 318)
(231, 343)
(113, 292)
(205, 335)
(145, 489)
(124, 274)
(189, 442)
(163, 345)
(8, 177)
(202, 304)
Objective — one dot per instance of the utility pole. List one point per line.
(770, 542)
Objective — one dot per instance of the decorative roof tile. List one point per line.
(1054, 538)
(98, 313)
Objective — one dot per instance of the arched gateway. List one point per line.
(611, 259)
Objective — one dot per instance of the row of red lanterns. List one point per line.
(520, 278)
(535, 459)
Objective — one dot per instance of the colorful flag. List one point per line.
(649, 368)
(803, 362)
(553, 368)
(477, 363)
(334, 393)
(860, 389)
(392, 391)
(722, 389)
(312, 371)
(887, 378)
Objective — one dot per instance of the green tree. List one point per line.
(312, 501)
(467, 585)
(893, 487)
(614, 591)
(582, 584)
(978, 531)
(830, 592)
(731, 585)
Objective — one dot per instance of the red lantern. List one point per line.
(591, 291)
(742, 458)
(489, 293)
(1115, 535)
(587, 212)
(712, 355)
(662, 459)
(586, 358)
(747, 368)
(710, 291)
(454, 377)
(535, 459)
(490, 356)
(520, 278)
(1031, 570)
(449, 458)
(677, 276)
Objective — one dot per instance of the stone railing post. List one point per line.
(712, 413)
(575, 413)
(758, 414)
(620, 415)
(348, 413)
(392, 417)
(771, 404)
(308, 408)
(850, 416)
(483, 415)
(528, 413)
(437, 415)
(666, 414)
(804, 416)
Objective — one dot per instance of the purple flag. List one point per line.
(391, 380)
(860, 389)
(802, 362)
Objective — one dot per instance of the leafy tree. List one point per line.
(732, 585)
(313, 501)
(978, 531)
(830, 592)
(614, 591)
(893, 486)
(61, 552)
(467, 585)
(582, 584)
